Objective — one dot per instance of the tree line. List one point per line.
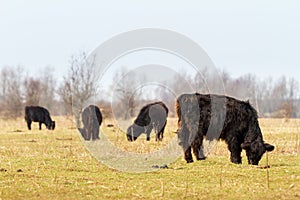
(276, 98)
(270, 97)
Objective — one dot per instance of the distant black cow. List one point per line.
(92, 119)
(224, 118)
(38, 114)
(152, 116)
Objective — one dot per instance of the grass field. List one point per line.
(56, 165)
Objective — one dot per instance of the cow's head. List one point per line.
(51, 125)
(133, 132)
(255, 150)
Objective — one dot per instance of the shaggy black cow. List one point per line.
(92, 119)
(152, 116)
(219, 117)
(38, 114)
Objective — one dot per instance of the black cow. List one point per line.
(38, 114)
(219, 117)
(152, 116)
(92, 119)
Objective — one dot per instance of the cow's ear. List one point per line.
(269, 147)
(245, 146)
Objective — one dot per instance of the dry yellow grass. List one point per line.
(55, 165)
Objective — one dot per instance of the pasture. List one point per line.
(55, 165)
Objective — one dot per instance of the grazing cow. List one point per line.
(152, 116)
(38, 114)
(219, 117)
(92, 119)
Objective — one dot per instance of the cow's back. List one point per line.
(36, 113)
(233, 113)
(91, 115)
(154, 112)
(158, 112)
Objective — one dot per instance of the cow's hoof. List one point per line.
(164, 166)
(202, 158)
(236, 162)
(189, 161)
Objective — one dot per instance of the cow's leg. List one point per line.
(96, 130)
(158, 136)
(148, 131)
(155, 126)
(40, 125)
(29, 124)
(88, 134)
(157, 133)
(197, 146)
(162, 131)
(188, 155)
(235, 150)
(183, 138)
(93, 132)
(95, 135)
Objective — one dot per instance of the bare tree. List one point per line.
(65, 93)
(199, 81)
(282, 97)
(288, 105)
(3, 88)
(79, 85)
(3, 83)
(40, 90)
(126, 94)
(243, 87)
(262, 98)
(11, 91)
(32, 89)
(226, 78)
(47, 88)
(278, 95)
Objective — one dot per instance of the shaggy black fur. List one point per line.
(38, 114)
(152, 116)
(92, 119)
(219, 117)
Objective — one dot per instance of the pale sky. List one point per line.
(258, 37)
